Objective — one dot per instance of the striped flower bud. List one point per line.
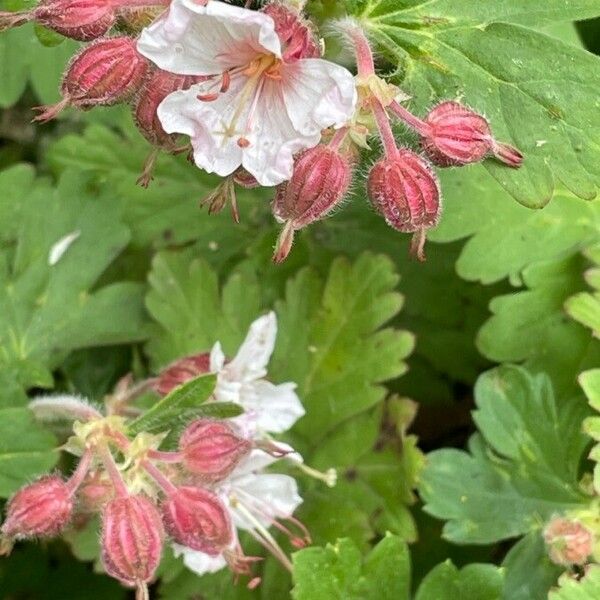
(106, 72)
(82, 20)
(454, 135)
(41, 509)
(211, 449)
(132, 538)
(405, 191)
(319, 183)
(196, 518)
(297, 38)
(181, 371)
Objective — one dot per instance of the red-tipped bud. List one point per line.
(181, 371)
(155, 89)
(106, 72)
(296, 35)
(211, 449)
(132, 538)
(197, 518)
(568, 541)
(455, 135)
(43, 508)
(406, 192)
(319, 183)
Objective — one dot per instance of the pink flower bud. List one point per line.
(106, 72)
(568, 541)
(43, 508)
(196, 518)
(211, 449)
(181, 371)
(404, 189)
(155, 89)
(297, 38)
(455, 135)
(132, 538)
(319, 183)
(83, 20)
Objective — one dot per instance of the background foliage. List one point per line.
(512, 277)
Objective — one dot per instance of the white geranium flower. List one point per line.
(268, 408)
(260, 105)
(256, 501)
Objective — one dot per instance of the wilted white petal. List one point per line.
(59, 248)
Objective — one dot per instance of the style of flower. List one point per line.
(263, 101)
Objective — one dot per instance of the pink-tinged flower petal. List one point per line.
(192, 39)
(206, 124)
(318, 94)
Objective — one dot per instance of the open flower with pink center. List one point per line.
(266, 97)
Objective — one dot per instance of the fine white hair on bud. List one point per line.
(62, 407)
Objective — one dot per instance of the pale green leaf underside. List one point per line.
(584, 589)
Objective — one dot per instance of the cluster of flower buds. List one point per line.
(190, 496)
(257, 116)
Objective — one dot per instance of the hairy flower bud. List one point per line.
(211, 449)
(82, 20)
(132, 537)
(455, 135)
(155, 89)
(181, 371)
(106, 72)
(297, 39)
(568, 541)
(404, 189)
(319, 183)
(196, 518)
(42, 508)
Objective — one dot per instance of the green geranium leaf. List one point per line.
(578, 589)
(522, 467)
(531, 325)
(61, 241)
(514, 75)
(341, 354)
(473, 582)
(27, 450)
(25, 59)
(339, 572)
(190, 311)
(182, 404)
(529, 572)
